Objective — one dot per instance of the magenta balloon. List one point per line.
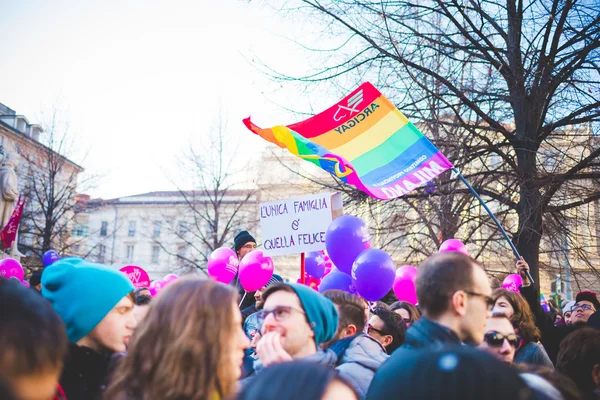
(9, 268)
(170, 278)
(223, 265)
(347, 237)
(407, 271)
(256, 270)
(26, 284)
(454, 246)
(373, 274)
(512, 282)
(404, 289)
(155, 287)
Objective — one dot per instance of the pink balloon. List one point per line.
(136, 275)
(170, 278)
(255, 270)
(155, 287)
(404, 289)
(9, 268)
(223, 265)
(512, 282)
(26, 284)
(454, 246)
(407, 271)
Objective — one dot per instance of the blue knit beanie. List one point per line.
(82, 293)
(241, 239)
(320, 312)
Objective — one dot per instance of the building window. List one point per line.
(181, 255)
(101, 253)
(155, 253)
(75, 249)
(104, 229)
(183, 228)
(131, 228)
(156, 232)
(79, 230)
(130, 250)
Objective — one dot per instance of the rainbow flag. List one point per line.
(365, 141)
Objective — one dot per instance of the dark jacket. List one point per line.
(428, 334)
(551, 335)
(359, 357)
(85, 373)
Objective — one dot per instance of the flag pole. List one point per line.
(491, 214)
(302, 270)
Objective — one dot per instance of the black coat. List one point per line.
(85, 374)
(427, 334)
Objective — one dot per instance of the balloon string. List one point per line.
(243, 297)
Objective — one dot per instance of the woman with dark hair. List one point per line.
(298, 380)
(409, 313)
(514, 306)
(190, 346)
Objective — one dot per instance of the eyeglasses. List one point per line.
(280, 313)
(583, 307)
(371, 328)
(495, 339)
(249, 246)
(488, 299)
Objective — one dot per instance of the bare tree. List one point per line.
(50, 188)
(216, 210)
(520, 78)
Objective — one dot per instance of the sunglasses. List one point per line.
(583, 307)
(495, 339)
(370, 329)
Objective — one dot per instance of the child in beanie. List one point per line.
(96, 304)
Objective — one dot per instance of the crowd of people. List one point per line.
(84, 333)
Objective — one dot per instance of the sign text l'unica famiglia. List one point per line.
(297, 225)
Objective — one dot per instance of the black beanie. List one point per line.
(460, 373)
(588, 296)
(241, 239)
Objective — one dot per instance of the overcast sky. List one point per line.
(139, 80)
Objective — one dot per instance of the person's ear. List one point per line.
(596, 375)
(351, 330)
(387, 340)
(458, 302)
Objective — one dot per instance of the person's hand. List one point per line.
(255, 338)
(522, 268)
(269, 349)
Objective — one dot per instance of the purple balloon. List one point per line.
(512, 282)
(256, 270)
(314, 264)
(373, 274)
(50, 257)
(11, 268)
(336, 280)
(346, 238)
(454, 246)
(223, 265)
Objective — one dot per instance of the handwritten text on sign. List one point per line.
(295, 226)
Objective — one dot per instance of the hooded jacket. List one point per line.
(359, 357)
(428, 334)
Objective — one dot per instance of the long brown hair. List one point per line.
(522, 319)
(413, 312)
(179, 349)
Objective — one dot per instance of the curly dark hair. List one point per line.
(413, 312)
(394, 326)
(522, 319)
(579, 353)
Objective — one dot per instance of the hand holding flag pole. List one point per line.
(491, 214)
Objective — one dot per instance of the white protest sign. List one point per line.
(298, 225)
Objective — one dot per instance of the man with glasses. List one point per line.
(500, 339)
(586, 304)
(455, 296)
(296, 320)
(387, 328)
